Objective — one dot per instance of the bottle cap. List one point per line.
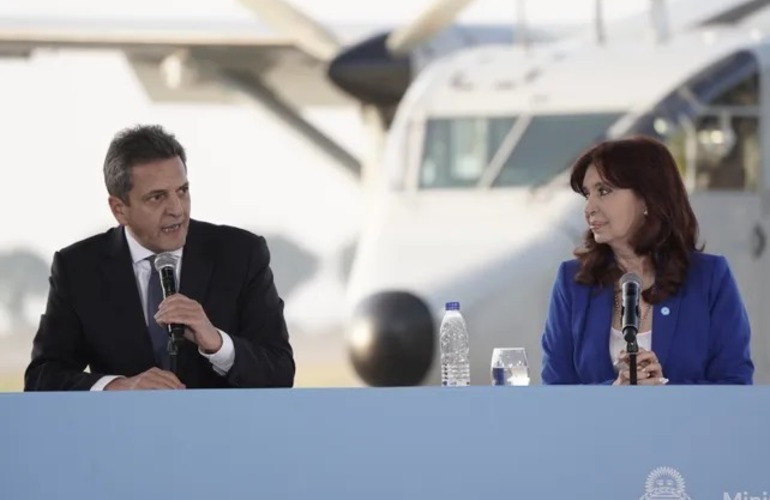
(452, 306)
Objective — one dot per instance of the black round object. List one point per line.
(391, 339)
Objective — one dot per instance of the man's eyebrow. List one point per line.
(153, 193)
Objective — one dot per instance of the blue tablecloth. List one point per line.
(408, 443)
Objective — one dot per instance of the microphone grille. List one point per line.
(629, 278)
(165, 260)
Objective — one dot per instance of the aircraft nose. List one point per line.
(391, 339)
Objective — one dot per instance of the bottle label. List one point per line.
(498, 376)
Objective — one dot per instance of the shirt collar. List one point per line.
(139, 253)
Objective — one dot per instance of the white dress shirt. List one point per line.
(221, 361)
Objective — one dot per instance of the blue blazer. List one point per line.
(700, 335)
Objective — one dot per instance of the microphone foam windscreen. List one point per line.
(165, 260)
(629, 278)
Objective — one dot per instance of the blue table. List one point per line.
(427, 442)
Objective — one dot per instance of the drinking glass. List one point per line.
(509, 366)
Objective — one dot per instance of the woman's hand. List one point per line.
(648, 369)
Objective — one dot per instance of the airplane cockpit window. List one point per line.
(506, 152)
(457, 150)
(538, 156)
(728, 153)
(712, 125)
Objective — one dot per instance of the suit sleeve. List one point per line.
(729, 336)
(58, 349)
(557, 342)
(263, 355)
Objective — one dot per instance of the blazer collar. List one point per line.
(598, 321)
(597, 329)
(664, 329)
(664, 320)
(197, 263)
(126, 318)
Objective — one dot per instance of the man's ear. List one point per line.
(118, 208)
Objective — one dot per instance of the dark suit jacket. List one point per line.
(94, 315)
(700, 335)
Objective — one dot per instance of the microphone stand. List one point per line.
(632, 348)
(630, 331)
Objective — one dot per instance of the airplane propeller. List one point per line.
(316, 40)
(375, 71)
(438, 15)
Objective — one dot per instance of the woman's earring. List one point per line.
(645, 212)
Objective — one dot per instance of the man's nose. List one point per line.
(174, 204)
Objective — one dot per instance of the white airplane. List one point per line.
(475, 204)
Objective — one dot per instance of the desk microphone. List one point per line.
(165, 265)
(631, 287)
(630, 291)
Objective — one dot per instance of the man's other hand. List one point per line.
(154, 378)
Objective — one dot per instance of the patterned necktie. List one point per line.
(158, 333)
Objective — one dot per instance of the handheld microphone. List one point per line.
(631, 289)
(165, 265)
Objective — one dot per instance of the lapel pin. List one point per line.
(665, 311)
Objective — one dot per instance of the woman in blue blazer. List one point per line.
(693, 327)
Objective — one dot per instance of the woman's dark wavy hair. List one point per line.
(670, 230)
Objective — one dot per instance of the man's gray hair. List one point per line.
(136, 146)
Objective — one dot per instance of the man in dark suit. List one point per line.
(105, 310)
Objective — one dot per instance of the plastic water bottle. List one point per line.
(453, 336)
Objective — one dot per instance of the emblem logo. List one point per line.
(664, 483)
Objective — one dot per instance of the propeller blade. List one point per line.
(439, 15)
(309, 35)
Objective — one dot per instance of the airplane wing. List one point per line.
(281, 52)
(185, 62)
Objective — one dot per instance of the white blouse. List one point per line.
(618, 343)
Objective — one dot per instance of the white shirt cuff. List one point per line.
(102, 382)
(224, 358)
